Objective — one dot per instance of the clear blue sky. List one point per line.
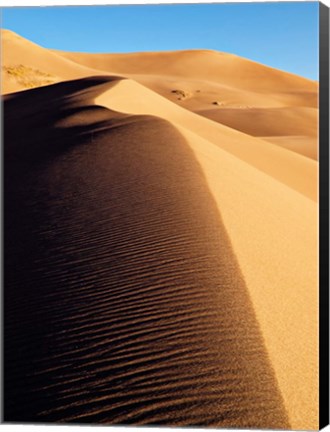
(282, 35)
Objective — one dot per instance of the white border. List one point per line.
(15, 3)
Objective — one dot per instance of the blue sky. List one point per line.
(283, 35)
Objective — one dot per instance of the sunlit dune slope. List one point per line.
(305, 145)
(273, 231)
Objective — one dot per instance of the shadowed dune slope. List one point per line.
(129, 305)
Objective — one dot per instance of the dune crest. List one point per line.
(137, 335)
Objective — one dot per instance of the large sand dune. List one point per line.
(160, 239)
(135, 266)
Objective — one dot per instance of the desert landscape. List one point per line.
(160, 239)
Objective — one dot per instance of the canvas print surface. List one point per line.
(161, 215)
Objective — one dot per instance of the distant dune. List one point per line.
(160, 239)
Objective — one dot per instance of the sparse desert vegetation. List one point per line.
(28, 77)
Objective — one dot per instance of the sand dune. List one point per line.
(136, 334)
(162, 211)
